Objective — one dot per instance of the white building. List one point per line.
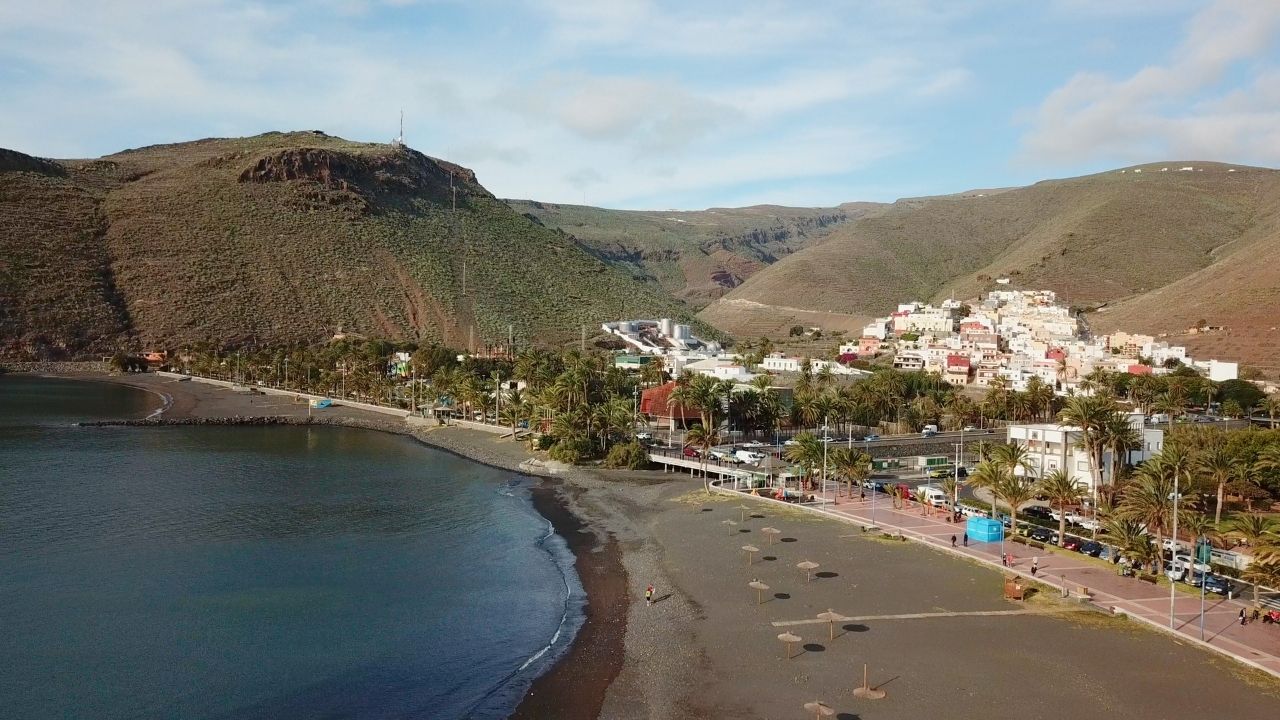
(1054, 447)
(720, 369)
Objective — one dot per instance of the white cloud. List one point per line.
(1185, 108)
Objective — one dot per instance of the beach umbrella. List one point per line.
(866, 692)
(788, 639)
(759, 587)
(742, 512)
(772, 532)
(730, 524)
(831, 617)
(750, 549)
(819, 709)
(808, 566)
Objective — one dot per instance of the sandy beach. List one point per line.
(933, 630)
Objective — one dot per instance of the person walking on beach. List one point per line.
(953, 541)
(1035, 566)
(648, 596)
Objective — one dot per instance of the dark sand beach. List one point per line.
(932, 629)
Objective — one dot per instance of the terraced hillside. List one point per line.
(694, 256)
(1164, 248)
(282, 238)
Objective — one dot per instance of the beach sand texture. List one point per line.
(705, 649)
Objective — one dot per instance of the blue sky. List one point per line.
(656, 104)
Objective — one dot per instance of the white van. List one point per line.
(932, 495)
(749, 456)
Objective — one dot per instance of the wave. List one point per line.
(567, 614)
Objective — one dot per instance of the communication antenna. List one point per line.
(400, 138)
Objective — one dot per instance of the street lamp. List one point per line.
(1174, 554)
(825, 420)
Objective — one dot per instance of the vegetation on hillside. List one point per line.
(284, 238)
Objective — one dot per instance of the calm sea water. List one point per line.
(194, 572)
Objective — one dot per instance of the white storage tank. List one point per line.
(682, 332)
(664, 327)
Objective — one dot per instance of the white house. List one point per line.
(721, 369)
(1054, 447)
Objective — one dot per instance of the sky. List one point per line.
(650, 104)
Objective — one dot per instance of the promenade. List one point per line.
(1255, 644)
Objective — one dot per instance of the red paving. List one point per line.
(1256, 643)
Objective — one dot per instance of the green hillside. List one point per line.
(694, 256)
(281, 238)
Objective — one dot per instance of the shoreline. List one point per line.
(575, 685)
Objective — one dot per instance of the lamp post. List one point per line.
(1174, 555)
(1202, 545)
(825, 430)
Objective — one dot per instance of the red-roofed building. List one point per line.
(958, 369)
(1055, 354)
(654, 405)
(1139, 370)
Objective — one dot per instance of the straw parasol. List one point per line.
(750, 550)
(788, 639)
(730, 524)
(866, 692)
(819, 709)
(772, 532)
(808, 566)
(742, 512)
(759, 587)
(831, 616)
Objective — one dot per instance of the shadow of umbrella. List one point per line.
(751, 550)
(831, 617)
(730, 524)
(788, 640)
(772, 532)
(819, 709)
(808, 566)
(759, 587)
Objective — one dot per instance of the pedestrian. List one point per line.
(1004, 559)
(1253, 617)
(1243, 619)
(966, 539)
(1035, 566)
(648, 595)
(953, 541)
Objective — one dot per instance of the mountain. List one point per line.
(1151, 249)
(281, 238)
(694, 256)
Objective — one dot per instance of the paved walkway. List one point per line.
(1255, 644)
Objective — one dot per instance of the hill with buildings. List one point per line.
(1152, 248)
(283, 238)
(694, 256)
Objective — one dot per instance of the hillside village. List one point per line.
(1009, 336)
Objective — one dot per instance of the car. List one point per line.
(827, 439)
(1072, 543)
(1038, 511)
(871, 436)
(790, 442)
(939, 473)
(753, 444)
(1044, 535)
(1092, 548)
(644, 436)
(691, 452)
(968, 428)
(1217, 584)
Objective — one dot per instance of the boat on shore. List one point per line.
(321, 403)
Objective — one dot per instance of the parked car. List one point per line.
(968, 428)
(1043, 534)
(1217, 584)
(753, 444)
(1092, 548)
(1038, 511)
(644, 436)
(1072, 543)
(871, 436)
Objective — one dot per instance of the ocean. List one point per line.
(261, 572)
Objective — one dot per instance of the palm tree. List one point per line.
(702, 439)
(1219, 466)
(1120, 437)
(806, 452)
(1271, 406)
(1090, 414)
(1063, 491)
(987, 475)
(1149, 499)
(850, 465)
(1014, 491)
(1130, 537)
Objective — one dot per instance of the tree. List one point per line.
(1131, 537)
(1271, 406)
(1090, 414)
(1148, 500)
(1219, 465)
(703, 439)
(806, 452)
(1014, 491)
(987, 475)
(850, 465)
(1063, 491)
